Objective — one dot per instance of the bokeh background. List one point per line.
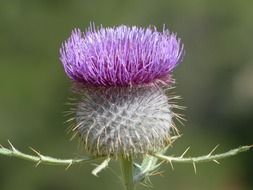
(215, 81)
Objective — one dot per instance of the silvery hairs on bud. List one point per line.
(120, 75)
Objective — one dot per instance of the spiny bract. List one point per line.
(123, 121)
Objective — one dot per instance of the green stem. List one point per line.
(41, 159)
(127, 172)
(206, 158)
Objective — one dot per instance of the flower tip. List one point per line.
(121, 55)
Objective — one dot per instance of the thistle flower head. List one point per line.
(120, 56)
(122, 109)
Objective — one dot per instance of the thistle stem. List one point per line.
(41, 159)
(127, 172)
(206, 158)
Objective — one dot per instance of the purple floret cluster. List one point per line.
(120, 56)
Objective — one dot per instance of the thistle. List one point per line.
(120, 75)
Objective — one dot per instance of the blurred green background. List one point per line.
(215, 81)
